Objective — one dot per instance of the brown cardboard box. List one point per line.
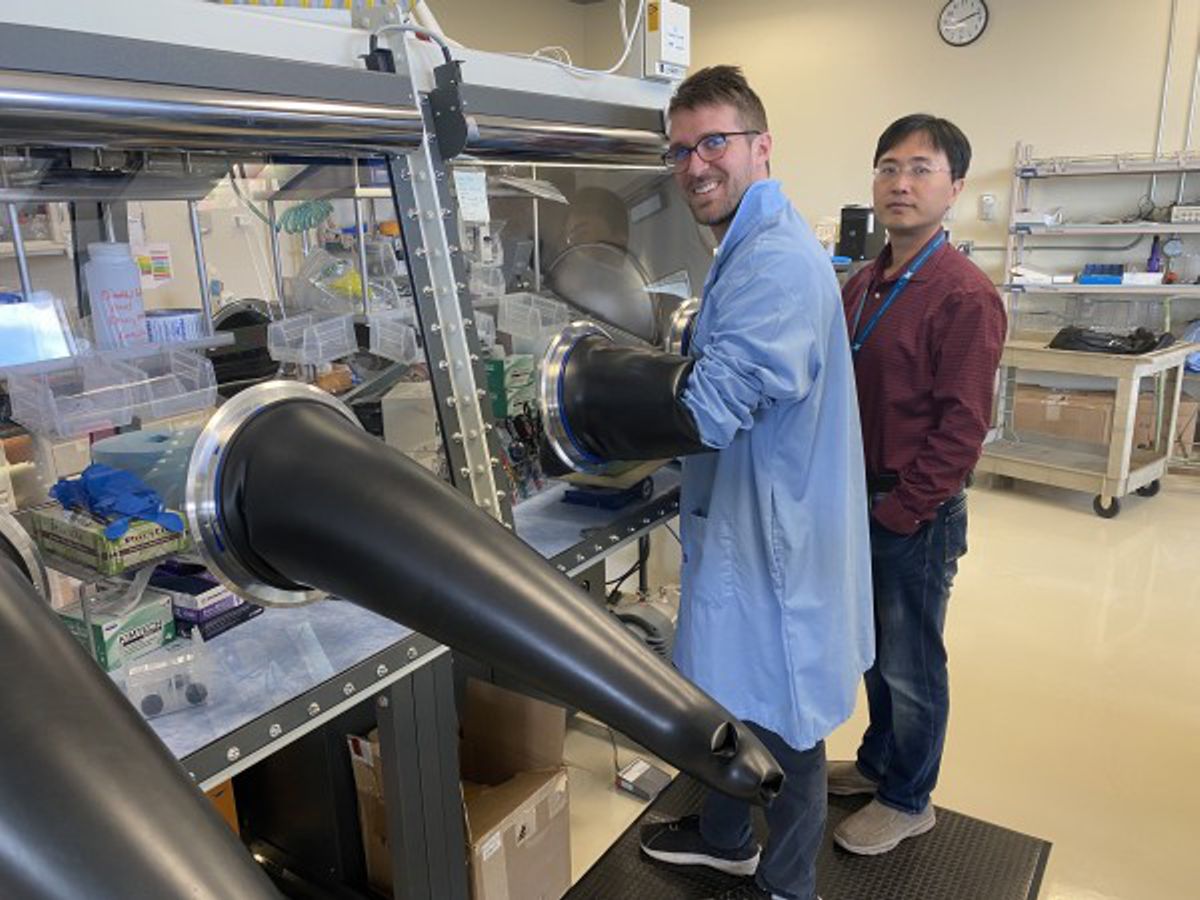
(222, 798)
(520, 837)
(1076, 415)
(1088, 415)
(365, 761)
(515, 794)
(504, 733)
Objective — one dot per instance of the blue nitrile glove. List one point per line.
(117, 497)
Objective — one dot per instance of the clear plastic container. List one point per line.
(75, 398)
(176, 678)
(173, 382)
(531, 320)
(393, 338)
(311, 340)
(485, 323)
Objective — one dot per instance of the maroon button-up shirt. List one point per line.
(926, 377)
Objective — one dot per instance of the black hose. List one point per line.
(91, 802)
(308, 498)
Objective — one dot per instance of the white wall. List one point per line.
(1068, 77)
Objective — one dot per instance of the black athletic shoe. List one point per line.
(680, 844)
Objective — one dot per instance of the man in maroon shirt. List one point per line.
(926, 329)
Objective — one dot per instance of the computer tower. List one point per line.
(861, 235)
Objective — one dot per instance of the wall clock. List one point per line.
(962, 22)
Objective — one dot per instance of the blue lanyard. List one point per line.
(857, 340)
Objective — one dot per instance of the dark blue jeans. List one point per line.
(908, 687)
(796, 820)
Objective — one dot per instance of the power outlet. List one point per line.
(987, 207)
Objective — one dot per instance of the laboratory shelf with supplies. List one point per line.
(1086, 420)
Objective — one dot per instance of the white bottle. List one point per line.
(114, 286)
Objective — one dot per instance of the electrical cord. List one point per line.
(246, 200)
(628, 36)
(412, 29)
(612, 739)
(643, 558)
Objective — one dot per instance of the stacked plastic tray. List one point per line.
(96, 393)
(311, 339)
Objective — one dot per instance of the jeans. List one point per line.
(908, 687)
(796, 820)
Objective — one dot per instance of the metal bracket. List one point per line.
(434, 259)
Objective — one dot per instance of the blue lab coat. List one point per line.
(775, 616)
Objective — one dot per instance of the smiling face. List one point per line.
(714, 189)
(910, 204)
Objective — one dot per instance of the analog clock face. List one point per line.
(962, 21)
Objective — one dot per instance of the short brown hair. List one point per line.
(721, 84)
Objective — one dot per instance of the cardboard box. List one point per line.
(222, 798)
(365, 761)
(120, 634)
(79, 537)
(1074, 415)
(1088, 416)
(504, 733)
(515, 798)
(520, 837)
(515, 793)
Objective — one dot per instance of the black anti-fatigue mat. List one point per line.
(960, 859)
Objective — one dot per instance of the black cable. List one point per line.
(643, 558)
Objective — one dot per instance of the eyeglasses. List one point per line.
(918, 171)
(709, 148)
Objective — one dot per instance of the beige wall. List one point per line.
(1067, 76)
(514, 26)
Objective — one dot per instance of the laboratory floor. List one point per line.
(1075, 682)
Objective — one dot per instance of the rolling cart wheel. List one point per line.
(1150, 489)
(1106, 512)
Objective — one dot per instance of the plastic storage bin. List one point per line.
(78, 397)
(531, 320)
(173, 382)
(311, 340)
(393, 338)
(172, 680)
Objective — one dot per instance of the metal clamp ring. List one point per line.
(550, 398)
(27, 554)
(679, 329)
(202, 503)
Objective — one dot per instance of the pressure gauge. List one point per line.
(962, 22)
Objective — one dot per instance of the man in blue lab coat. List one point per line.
(775, 619)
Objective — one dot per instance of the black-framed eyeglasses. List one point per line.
(709, 148)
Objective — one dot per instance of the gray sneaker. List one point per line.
(876, 828)
(845, 780)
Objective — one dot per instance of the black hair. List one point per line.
(942, 133)
(721, 84)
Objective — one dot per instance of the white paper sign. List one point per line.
(471, 186)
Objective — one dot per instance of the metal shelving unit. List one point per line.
(1117, 467)
(1094, 229)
